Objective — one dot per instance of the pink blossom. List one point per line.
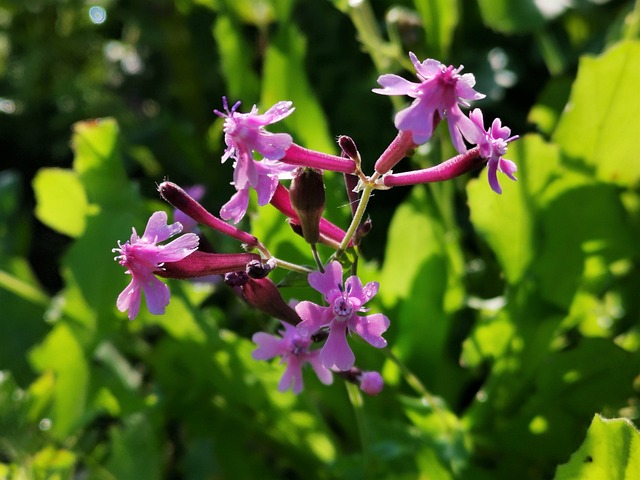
(294, 350)
(441, 91)
(142, 256)
(340, 316)
(244, 134)
(269, 174)
(493, 145)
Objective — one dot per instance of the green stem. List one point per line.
(22, 289)
(355, 221)
(292, 266)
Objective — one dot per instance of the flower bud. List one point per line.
(236, 279)
(200, 264)
(259, 269)
(349, 149)
(264, 295)
(307, 199)
(371, 383)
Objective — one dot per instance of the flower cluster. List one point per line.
(312, 333)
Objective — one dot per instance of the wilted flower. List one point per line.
(441, 91)
(294, 350)
(493, 145)
(143, 256)
(340, 317)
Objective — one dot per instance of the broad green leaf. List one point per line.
(598, 126)
(508, 16)
(61, 200)
(235, 62)
(439, 19)
(135, 449)
(611, 449)
(285, 78)
(505, 221)
(62, 353)
(99, 165)
(579, 223)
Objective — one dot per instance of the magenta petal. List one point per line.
(129, 299)
(157, 229)
(371, 328)
(236, 207)
(292, 374)
(330, 280)
(508, 168)
(395, 85)
(416, 119)
(492, 173)
(323, 373)
(156, 294)
(313, 316)
(178, 248)
(336, 352)
(268, 346)
(273, 145)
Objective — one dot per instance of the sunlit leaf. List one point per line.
(603, 111)
(611, 449)
(61, 201)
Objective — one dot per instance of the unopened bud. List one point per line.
(349, 148)
(200, 264)
(259, 269)
(236, 279)
(371, 383)
(308, 199)
(264, 295)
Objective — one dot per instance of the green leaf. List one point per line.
(62, 353)
(135, 449)
(235, 62)
(505, 221)
(580, 223)
(285, 78)
(439, 18)
(611, 449)
(61, 201)
(603, 111)
(508, 16)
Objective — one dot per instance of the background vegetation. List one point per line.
(514, 318)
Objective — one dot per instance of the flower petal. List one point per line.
(323, 373)
(178, 248)
(336, 352)
(370, 328)
(236, 207)
(330, 280)
(156, 294)
(269, 346)
(157, 229)
(129, 299)
(313, 316)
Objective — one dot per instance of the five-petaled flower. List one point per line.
(294, 350)
(143, 256)
(441, 90)
(493, 145)
(340, 317)
(244, 134)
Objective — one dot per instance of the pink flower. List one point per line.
(244, 134)
(340, 316)
(294, 350)
(441, 90)
(493, 145)
(269, 174)
(143, 256)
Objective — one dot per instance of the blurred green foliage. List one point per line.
(514, 318)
